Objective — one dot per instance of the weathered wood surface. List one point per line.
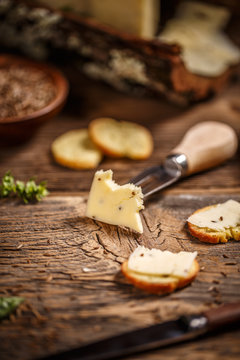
(67, 266)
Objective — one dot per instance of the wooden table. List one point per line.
(66, 266)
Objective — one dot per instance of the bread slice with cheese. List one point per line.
(121, 138)
(160, 272)
(217, 223)
(74, 149)
(115, 204)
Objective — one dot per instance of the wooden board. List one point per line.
(68, 269)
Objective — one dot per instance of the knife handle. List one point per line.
(206, 145)
(223, 315)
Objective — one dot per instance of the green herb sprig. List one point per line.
(28, 191)
(8, 305)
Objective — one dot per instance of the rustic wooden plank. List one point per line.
(67, 268)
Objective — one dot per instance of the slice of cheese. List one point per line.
(114, 204)
(219, 217)
(197, 27)
(161, 263)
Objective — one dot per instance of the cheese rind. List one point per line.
(114, 204)
(155, 262)
(219, 217)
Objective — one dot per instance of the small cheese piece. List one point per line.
(114, 204)
(197, 27)
(161, 263)
(219, 217)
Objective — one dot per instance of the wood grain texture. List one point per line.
(67, 267)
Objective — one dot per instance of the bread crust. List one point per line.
(95, 132)
(75, 165)
(160, 287)
(70, 150)
(212, 236)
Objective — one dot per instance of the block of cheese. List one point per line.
(115, 204)
(159, 271)
(216, 223)
(137, 17)
(197, 27)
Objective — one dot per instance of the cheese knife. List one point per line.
(184, 328)
(204, 146)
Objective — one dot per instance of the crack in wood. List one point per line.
(159, 229)
(179, 241)
(118, 235)
(99, 240)
(162, 242)
(89, 254)
(136, 239)
(99, 227)
(146, 222)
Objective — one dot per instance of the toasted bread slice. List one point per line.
(121, 138)
(74, 149)
(213, 236)
(159, 284)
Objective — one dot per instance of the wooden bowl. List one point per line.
(17, 129)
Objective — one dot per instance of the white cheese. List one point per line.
(114, 204)
(161, 263)
(197, 27)
(219, 217)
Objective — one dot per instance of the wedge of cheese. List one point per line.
(114, 204)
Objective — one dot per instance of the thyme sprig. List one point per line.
(28, 191)
(8, 305)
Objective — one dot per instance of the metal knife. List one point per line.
(205, 145)
(184, 328)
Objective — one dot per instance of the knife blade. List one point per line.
(171, 332)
